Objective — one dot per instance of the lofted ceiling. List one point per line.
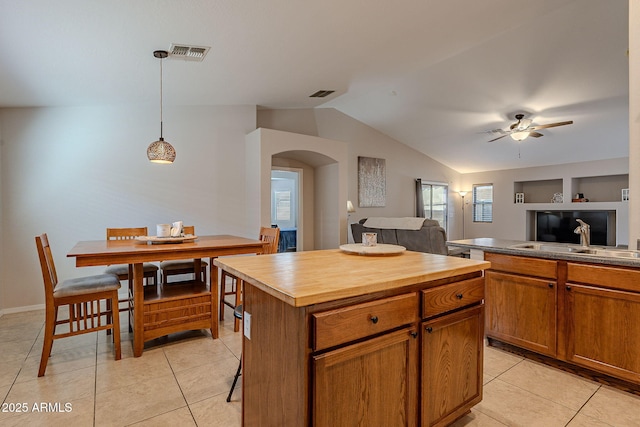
(431, 74)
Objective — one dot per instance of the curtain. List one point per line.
(419, 200)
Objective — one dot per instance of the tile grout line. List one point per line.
(585, 404)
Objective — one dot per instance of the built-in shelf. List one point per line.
(607, 188)
(539, 191)
(604, 188)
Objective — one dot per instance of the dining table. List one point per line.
(166, 309)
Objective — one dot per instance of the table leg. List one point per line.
(213, 287)
(239, 290)
(138, 310)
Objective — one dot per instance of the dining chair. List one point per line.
(173, 268)
(83, 296)
(150, 270)
(267, 234)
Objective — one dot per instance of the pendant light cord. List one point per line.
(161, 99)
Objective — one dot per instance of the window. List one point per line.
(434, 197)
(483, 203)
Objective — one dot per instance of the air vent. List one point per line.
(321, 93)
(188, 53)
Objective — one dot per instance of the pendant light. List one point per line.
(161, 151)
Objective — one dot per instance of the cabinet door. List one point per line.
(371, 383)
(603, 330)
(452, 355)
(521, 310)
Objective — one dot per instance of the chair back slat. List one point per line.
(125, 233)
(49, 275)
(271, 235)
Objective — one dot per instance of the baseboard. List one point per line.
(21, 309)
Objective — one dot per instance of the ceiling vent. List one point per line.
(321, 93)
(188, 53)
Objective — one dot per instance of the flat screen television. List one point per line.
(559, 226)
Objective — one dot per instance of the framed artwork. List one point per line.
(371, 182)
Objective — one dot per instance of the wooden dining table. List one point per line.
(163, 310)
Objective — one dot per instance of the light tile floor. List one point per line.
(185, 381)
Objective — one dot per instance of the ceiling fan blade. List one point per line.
(535, 134)
(551, 125)
(495, 139)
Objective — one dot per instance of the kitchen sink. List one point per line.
(616, 253)
(549, 248)
(580, 250)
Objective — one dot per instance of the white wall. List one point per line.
(73, 172)
(634, 122)
(403, 163)
(509, 218)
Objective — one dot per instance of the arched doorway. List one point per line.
(324, 164)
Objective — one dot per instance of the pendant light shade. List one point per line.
(161, 151)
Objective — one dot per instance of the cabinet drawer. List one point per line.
(607, 277)
(450, 297)
(523, 265)
(346, 324)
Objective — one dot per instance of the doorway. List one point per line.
(286, 207)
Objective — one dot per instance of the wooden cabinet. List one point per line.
(402, 358)
(584, 314)
(521, 302)
(602, 319)
(452, 349)
(371, 383)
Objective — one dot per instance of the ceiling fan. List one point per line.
(522, 129)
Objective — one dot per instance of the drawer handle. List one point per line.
(428, 329)
(374, 319)
(550, 285)
(459, 296)
(568, 288)
(414, 334)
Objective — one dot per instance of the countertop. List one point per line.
(312, 277)
(504, 246)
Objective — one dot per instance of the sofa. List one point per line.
(415, 234)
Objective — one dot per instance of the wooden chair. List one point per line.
(150, 270)
(173, 268)
(267, 234)
(83, 296)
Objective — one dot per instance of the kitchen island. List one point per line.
(332, 338)
(579, 305)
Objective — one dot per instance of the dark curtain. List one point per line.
(419, 200)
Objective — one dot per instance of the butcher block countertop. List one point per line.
(305, 278)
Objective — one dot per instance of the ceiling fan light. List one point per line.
(520, 136)
(161, 151)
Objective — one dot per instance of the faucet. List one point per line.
(584, 230)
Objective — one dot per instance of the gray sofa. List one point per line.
(430, 238)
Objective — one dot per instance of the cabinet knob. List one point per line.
(568, 288)
(429, 329)
(414, 334)
(459, 296)
(374, 319)
(550, 285)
